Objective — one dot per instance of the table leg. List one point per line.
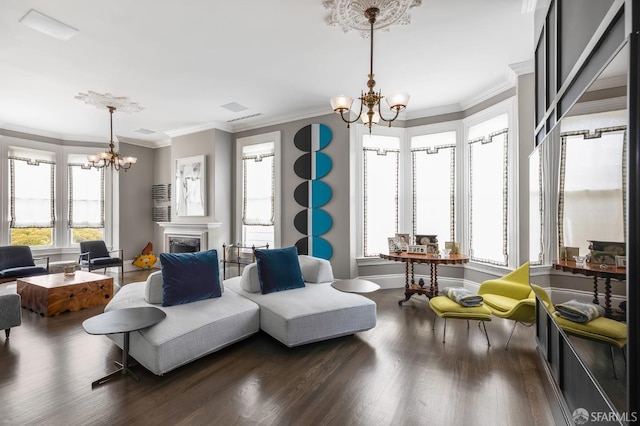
(124, 366)
(407, 295)
(607, 296)
(434, 279)
(595, 291)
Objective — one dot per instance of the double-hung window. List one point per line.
(489, 172)
(86, 197)
(32, 196)
(257, 192)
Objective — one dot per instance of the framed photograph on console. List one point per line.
(191, 186)
(621, 261)
(403, 241)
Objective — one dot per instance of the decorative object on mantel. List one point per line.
(161, 196)
(110, 158)
(191, 183)
(382, 13)
(313, 193)
(146, 259)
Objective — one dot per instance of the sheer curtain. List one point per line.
(86, 196)
(32, 188)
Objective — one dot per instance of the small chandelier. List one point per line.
(110, 158)
(397, 101)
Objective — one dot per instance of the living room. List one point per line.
(128, 224)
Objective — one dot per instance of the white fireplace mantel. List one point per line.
(199, 230)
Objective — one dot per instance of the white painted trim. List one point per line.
(490, 93)
(435, 111)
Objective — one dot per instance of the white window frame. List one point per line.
(274, 137)
(61, 232)
(404, 215)
(507, 106)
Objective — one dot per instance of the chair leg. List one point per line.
(485, 332)
(6, 332)
(444, 333)
(624, 355)
(515, 323)
(433, 323)
(613, 364)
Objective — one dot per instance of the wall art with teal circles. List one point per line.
(313, 193)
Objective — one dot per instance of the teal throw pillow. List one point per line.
(278, 269)
(189, 277)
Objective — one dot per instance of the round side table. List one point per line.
(356, 285)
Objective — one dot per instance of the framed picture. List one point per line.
(621, 261)
(426, 239)
(402, 241)
(570, 252)
(453, 246)
(417, 249)
(393, 245)
(191, 183)
(432, 248)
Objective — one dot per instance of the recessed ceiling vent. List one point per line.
(144, 131)
(47, 25)
(234, 107)
(243, 118)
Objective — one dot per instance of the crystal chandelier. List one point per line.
(110, 158)
(397, 101)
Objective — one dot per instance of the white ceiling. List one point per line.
(182, 60)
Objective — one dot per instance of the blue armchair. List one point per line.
(18, 262)
(94, 255)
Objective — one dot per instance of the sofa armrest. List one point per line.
(43, 258)
(153, 288)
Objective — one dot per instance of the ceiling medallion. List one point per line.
(349, 14)
(107, 101)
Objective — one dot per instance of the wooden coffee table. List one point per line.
(54, 294)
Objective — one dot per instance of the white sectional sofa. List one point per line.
(192, 330)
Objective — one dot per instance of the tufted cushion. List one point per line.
(189, 277)
(278, 269)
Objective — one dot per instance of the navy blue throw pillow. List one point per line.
(278, 269)
(189, 277)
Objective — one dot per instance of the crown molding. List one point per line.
(435, 111)
(200, 128)
(487, 94)
(521, 68)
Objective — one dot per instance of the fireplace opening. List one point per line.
(184, 245)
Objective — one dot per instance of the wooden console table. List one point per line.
(410, 286)
(594, 270)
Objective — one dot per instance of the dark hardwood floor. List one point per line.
(399, 373)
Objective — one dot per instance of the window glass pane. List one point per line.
(591, 184)
(488, 190)
(433, 167)
(31, 236)
(86, 194)
(86, 234)
(381, 155)
(258, 194)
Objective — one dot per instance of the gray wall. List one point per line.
(136, 225)
(161, 175)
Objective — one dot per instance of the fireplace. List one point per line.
(188, 237)
(180, 244)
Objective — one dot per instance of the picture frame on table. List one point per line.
(393, 245)
(621, 261)
(453, 246)
(570, 252)
(403, 241)
(423, 240)
(416, 249)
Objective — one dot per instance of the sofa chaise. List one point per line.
(309, 314)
